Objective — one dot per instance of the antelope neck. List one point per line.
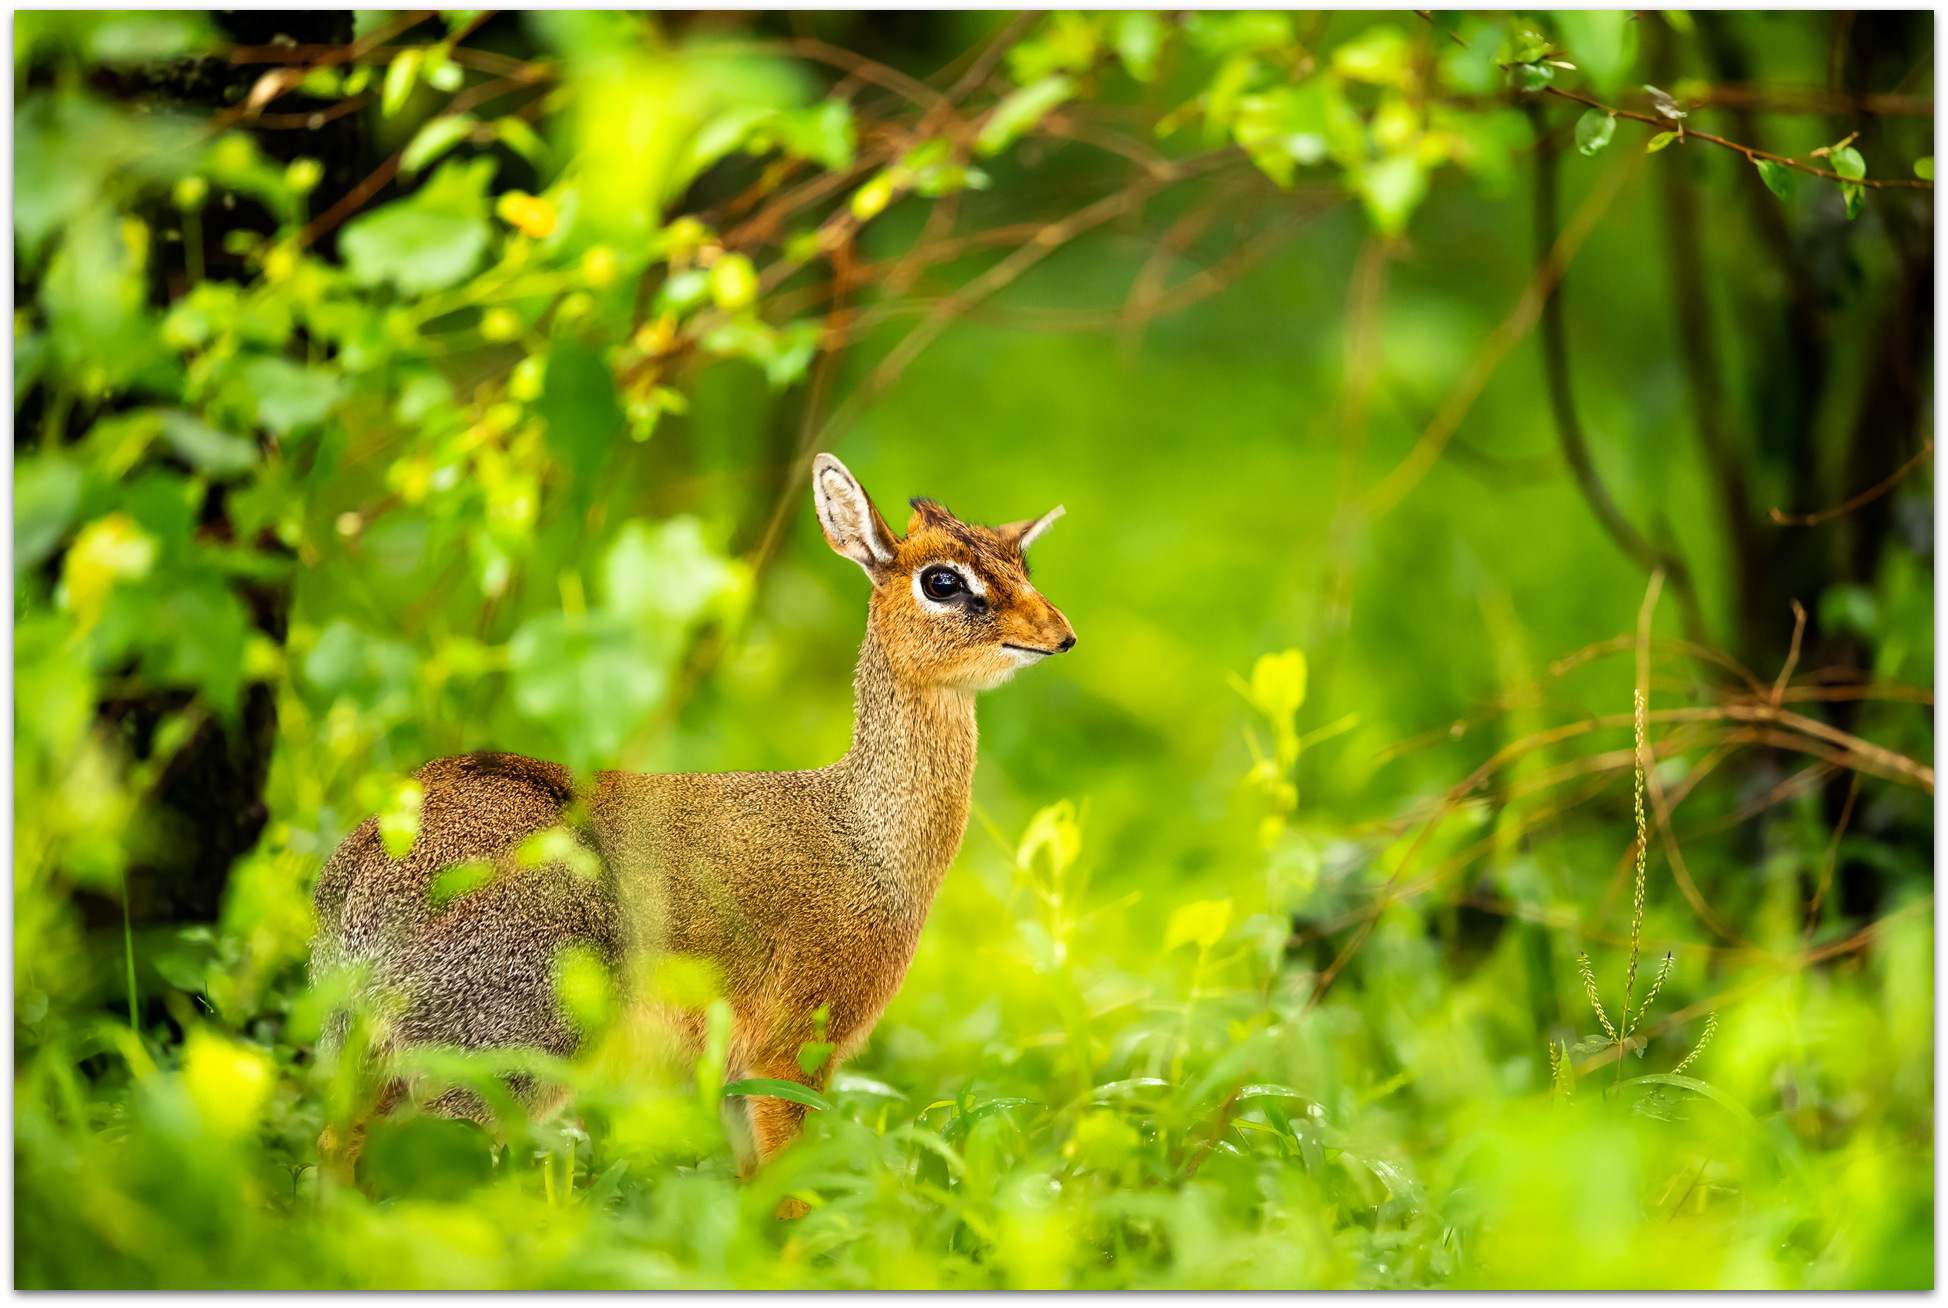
(910, 771)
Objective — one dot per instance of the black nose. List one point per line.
(1068, 643)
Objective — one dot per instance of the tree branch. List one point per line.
(1562, 401)
(1750, 152)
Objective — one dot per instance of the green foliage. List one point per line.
(1593, 132)
(1273, 990)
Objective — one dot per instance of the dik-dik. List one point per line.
(806, 889)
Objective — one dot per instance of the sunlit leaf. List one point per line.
(1201, 923)
(435, 139)
(791, 1090)
(431, 239)
(1020, 111)
(1139, 42)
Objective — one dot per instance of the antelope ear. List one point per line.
(851, 524)
(1023, 534)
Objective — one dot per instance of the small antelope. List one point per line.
(807, 889)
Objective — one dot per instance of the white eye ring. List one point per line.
(971, 584)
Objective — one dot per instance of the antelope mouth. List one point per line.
(1030, 650)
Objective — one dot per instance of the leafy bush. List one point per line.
(446, 382)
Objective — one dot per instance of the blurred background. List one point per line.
(1421, 390)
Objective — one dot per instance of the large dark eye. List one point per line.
(941, 583)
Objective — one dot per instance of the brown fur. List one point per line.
(807, 889)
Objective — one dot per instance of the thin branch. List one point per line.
(1562, 402)
(1792, 655)
(1832, 855)
(985, 63)
(1617, 644)
(1786, 99)
(316, 118)
(949, 308)
(1748, 151)
(1785, 519)
(350, 203)
(1407, 474)
(868, 70)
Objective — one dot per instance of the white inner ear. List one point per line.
(847, 516)
(1041, 525)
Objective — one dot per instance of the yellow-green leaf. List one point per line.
(1201, 923)
(1278, 683)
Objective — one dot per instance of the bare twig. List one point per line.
(1792, 655)
(1872, 493)
(868, 70)
(1562, 401)
(1392, 488)
(1832, 855)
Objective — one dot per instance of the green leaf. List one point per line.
(1779, 179)
(1593, 132)
(208, 450)
(776, 1089)
(1391, 189)
(1856, 198)
(588, 678)
(194, 636)
(871, 198)
(290, 395)
(516, 135)
(1201, 923)
(1297, 126)
(1603, 42)
(1020, 111)
(824, 133)
(1218, 32)
(812, 1055)
(428, 241)
(1139, 42)
(665, 574)
(374, 673)
(1377, 55)
(1053, 828)
(584, 417)
(460, 879)
(1848, 163)
(1269, 1090)
(47, 491)
(94, 293)
(853, 1084)
(435, 139)
(1924, 168)
(585, 986)
(144, 37)
(400, 76)
(1659, 141)
(604, 1187)
(427, 1158)
(1066, 42)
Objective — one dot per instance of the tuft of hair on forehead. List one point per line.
(982, 544)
